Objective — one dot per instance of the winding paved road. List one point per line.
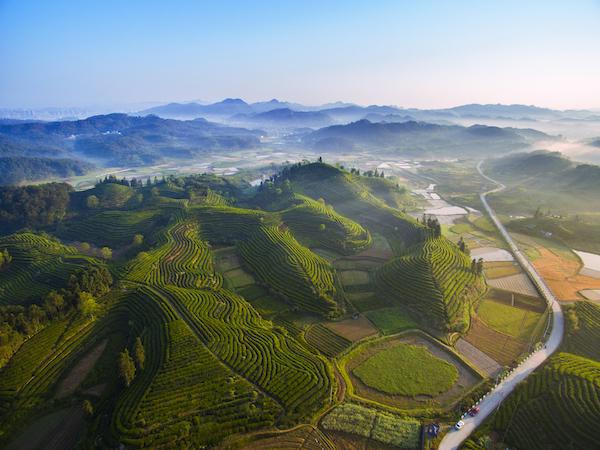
(493, 399)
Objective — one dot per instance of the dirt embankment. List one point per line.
(78, 373)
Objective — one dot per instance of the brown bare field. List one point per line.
(562, 275)
(499, 346)
(352, 329)
(479, 359)
(80, 371)
(500, 269)
(55, 431)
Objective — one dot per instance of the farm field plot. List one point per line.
(348, 441)
(516, 322)
(476, 231)
(530, 303)
(367, 301)
(391, 320)
(519, 283)
(380, 248)
(238, 278)
(492, 254)
(406, 370)
(226, 259)
(354, 277)
(306, 437)
(317, 224)
(591, 294)
(329, 255)
(39, 432)
(325, 340)
(406, 391)
(268, 306)
(264, 302)
(476, 357)
(501, 347)
(380, 426)
(356, 263)
(563, 274)
(77, 374)
(352, 329)
(591, 264)
(494, 270)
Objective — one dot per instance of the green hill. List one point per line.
(351, 198)
(435, 281)
(545, 179)
(39, 264)
(318, 225)
(214, 367)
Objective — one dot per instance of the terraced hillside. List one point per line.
(235, 370)
(174, 353)
(39, 264)
(271, 252)
(354, 200)
(561, 403)
(184, 395)
(319, 225)
(435, 281)
(112, 228)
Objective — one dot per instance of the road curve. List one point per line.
(494, 398)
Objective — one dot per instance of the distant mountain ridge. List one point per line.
(230, 109)
(121, 139)
(422, 139)
(284, 117)
(549, 171)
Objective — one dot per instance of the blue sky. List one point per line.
(413, 54)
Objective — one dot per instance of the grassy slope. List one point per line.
(407, 370)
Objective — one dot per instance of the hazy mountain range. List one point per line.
(422, 139)
(339, 111)
(184, 131)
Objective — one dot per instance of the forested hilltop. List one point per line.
(182, 312)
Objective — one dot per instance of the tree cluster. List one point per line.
(5, 258)
(462, 245)
(368, 173)
(433, 224)
(18, 322)
(134, 182)
(477, 266)
(33, 206)
(128, 365)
